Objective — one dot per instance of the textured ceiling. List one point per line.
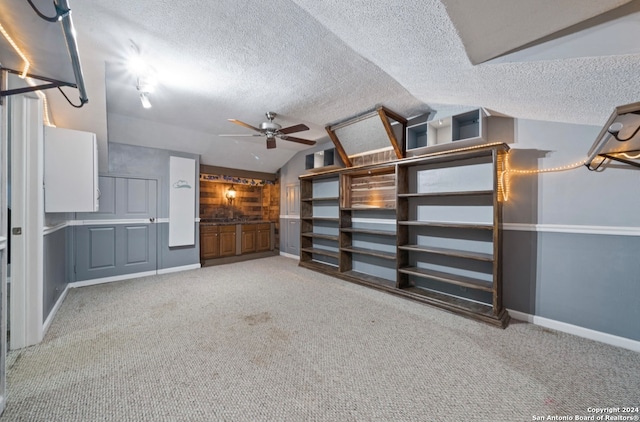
(320, 62)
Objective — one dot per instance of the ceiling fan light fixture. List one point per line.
(273, 130)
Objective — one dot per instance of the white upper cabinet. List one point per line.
(70, 171)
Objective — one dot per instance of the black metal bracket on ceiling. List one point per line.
(63, 15)
(621, 159)
(52, 83)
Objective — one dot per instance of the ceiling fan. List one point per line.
(272, 130)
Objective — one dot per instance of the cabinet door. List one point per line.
(70, 170)
(209, 244)
(263, 239)
(228, 242)
(248, 240)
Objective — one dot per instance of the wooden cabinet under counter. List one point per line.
(230, 240)
(248, 238)
(263, 237)
(227, 240)
(209, 242)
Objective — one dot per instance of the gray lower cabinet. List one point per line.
(123, 239)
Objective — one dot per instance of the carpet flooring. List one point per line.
(266, 340)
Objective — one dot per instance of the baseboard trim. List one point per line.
(617, 341)
(54, 311)
(103, 280)
(178, 269)
(288, 255)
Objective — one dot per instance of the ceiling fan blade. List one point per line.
(230, 134)
(247, 125)
(298, 140)
(294, 129)
(271, 143)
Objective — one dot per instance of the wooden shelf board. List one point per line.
(449, 252)
(371, 252)
(333, 219)
(370, 278)
(458, 280)
(322, 252)
(438, 194)
(365, 231)
(331, 198)
(369, 189)
(320, 236)
(453, 225)
(369, 209)
(453, 301)
(319, 266)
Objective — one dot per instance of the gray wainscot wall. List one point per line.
(571, 238)
(58, 261)
(153, 163)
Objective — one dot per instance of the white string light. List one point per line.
(23, 75)
(504, 176)
(27, 64)
(633, 157)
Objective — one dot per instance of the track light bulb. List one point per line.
(144, 99)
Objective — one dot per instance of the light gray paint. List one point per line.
(57, 251)
(589, 280)
(152, 162)
(575, 197)
(582, 279)
(290, 236)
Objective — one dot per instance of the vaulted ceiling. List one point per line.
(318, 62)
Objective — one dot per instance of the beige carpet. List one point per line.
(265, 340)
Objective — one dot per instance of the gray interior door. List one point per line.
(121, 238)
(292, 230)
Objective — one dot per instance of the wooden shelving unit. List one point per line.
(427, 228)
(319, 222)
(449, 235)
(367, 225)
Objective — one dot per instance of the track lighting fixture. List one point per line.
(144, 99)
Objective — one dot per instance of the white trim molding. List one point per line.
(617, 341)
(574, 229)
(288, 255)
(290, 217)
(122, 277)
(103, 280)
(178, 269)
(54, 310)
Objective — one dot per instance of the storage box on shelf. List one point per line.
(367, 225)
(321, 160)
(319, 222)
(468, 128)
(449, 238)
